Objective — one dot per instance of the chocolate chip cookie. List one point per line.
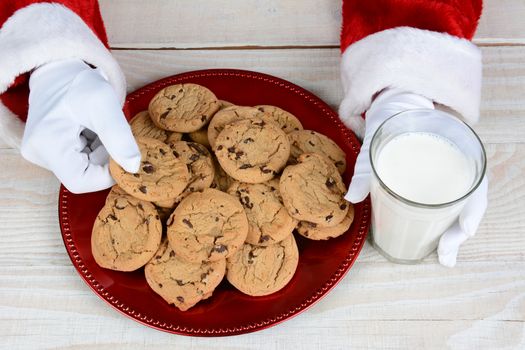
(315, 232)
(256, 270)
(227, 116)
(200, 166)
(207, 226)
(183, 107)
(182, 283)
(308, 141)
(142, 125)
(252, 150)
(286, 120)
(313, 190)
(161, 176)
(269, 220)
(126, 233)
(115, 191)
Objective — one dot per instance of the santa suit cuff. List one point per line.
(41, 33)
(439, 66)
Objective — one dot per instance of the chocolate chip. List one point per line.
(172, 97)
(219, 147)
(231, 149)
(203, 118)
(176, 154)
(265, 170)
(112, 217)
(143, 189)
(312, 224)
(329, 217)
(246, 202)
(163, 115)
(342, 206)
(264, 238)
(238, 155)
(179, 282)
(188, 223)
(158, 257)
(220, 248)
(172, 254)
(203, 276)
(261, 123)
(272, 188)
(148, 168)
(330, 182)
(197, 147)
(181, 299)
(136, 175)
(160, 285)
(216, 218)
(246, 166)
(310, 142)
(248, 140)
(194, 157)
(157, 217)
(296, 129)
(140, 206)
(162, 151)
(261, 109)
(112, 241)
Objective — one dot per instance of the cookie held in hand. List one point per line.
(161, 176)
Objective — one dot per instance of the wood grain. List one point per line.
(227, 23)
(502, 107)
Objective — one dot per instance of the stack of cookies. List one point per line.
(220, 190)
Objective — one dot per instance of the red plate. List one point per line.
(227, 312)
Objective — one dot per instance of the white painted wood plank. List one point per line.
(502, 107)
(201, 23)
(477, 305)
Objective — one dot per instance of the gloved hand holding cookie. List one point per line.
(220, 191)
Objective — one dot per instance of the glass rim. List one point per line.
(428, 205)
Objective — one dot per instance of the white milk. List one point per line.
(423, 168)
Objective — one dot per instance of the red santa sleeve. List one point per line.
(421, 46)
(35, 32)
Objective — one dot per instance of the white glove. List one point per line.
(69, 105)
(388, 103)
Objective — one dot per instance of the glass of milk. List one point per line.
(425, 164)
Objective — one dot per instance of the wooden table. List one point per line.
(480, 304)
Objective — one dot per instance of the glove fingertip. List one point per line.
(131, 165)
(449, 259)
(355, 195)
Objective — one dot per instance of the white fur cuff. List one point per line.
(441, 67)
(41, 33)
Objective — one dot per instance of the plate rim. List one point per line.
(317, 295)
